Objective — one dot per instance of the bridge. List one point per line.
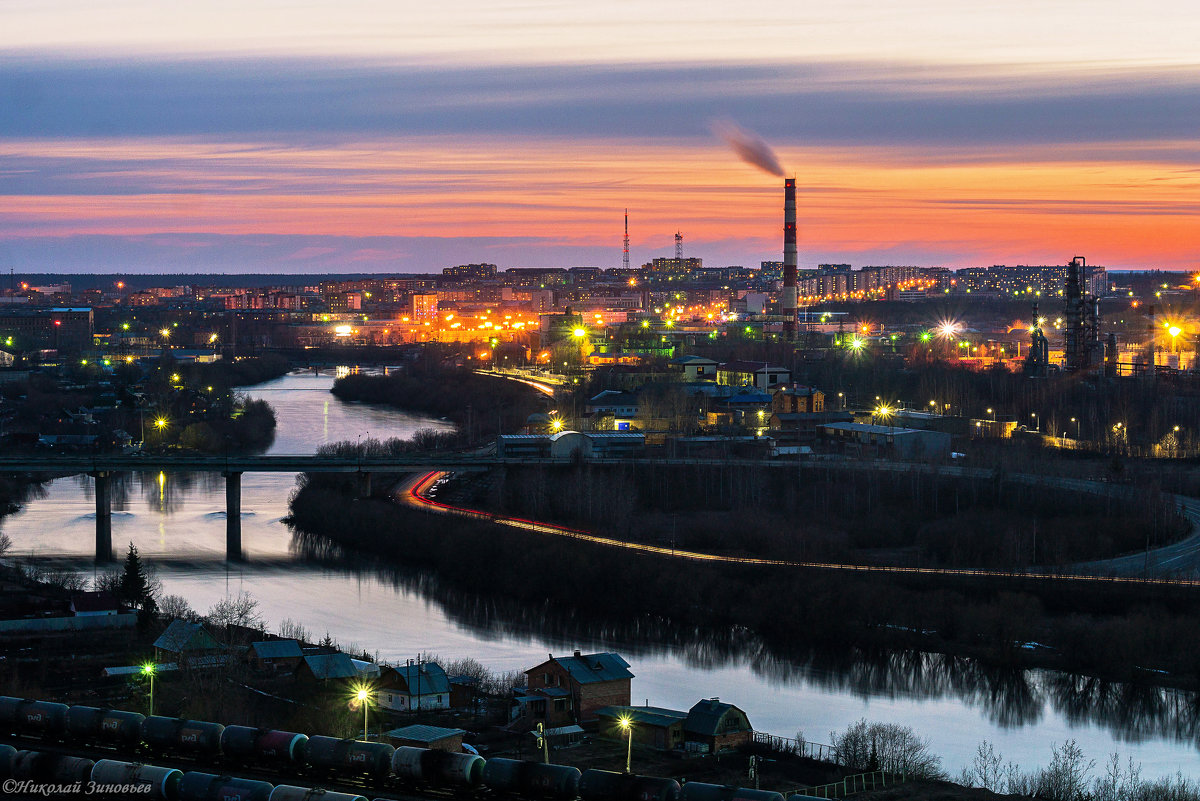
(1182, 556)
(101, 469)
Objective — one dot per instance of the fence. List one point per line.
(786, 745)
(858, 783)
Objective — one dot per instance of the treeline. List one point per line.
(1118, 632)
(251, 427)
(480, 406)
(226, 373)
(823, 511)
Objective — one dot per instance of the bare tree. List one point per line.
(238, 611)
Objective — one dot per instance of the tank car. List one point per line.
(245, 744)
(699, 791)
(432, 766)
(196, 786)
(45, 719)
(174, 735)
(607, 785)
(113, 727)
(532, 779)
(349, 757)
(286, 792)
(163, 782)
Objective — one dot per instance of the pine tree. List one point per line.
(134, 588)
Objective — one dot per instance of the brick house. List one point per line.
(797, 399)
(573, 688)
(721, 727)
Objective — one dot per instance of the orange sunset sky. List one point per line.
(369, 136)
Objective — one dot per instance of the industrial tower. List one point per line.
(625, 257)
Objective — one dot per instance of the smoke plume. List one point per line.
(748, 145)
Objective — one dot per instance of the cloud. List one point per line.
(849, 104)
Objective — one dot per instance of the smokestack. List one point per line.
(789, 258)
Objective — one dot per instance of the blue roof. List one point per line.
(331, 666)
(428, 678)
(277, 649)
(591, 668)
(423, 734)
(184, 636)
(646, 715)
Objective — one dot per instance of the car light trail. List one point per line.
(415, 493)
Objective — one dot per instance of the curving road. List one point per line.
(1179, 557)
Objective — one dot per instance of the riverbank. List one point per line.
(1123, 634)
(480, 406)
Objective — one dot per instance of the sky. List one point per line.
(360, 136)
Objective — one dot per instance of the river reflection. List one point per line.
(177, 522)
(1009, 698)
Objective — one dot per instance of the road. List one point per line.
(1165, 566)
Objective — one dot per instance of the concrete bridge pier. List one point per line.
(364, 485)
(103, 516)
(233, 516)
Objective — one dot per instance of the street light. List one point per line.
(627, 725)
(148, 670)
(1036, 427)
(363, 695)
(992, 412)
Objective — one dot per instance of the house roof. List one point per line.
(646, 715)
(183, 636)
(750, 398)
(752, 367)
(428, 678)
(331, 666)
(612, 397)
(799, 391)
(705, 717)
(277, 649)
(423, 734)
(591, 668)
(94, 602)
(692, 360)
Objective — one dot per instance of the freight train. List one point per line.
(318, 756)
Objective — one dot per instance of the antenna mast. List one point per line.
(625, 258)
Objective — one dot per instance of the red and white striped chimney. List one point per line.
(789, 258)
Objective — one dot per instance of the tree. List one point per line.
(240, 610)
(134, 587)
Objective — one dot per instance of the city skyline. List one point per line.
(378, 138)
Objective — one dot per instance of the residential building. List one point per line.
(797, 398)
(409, 688)
(580, 684)
(761, 375)
(696, 368)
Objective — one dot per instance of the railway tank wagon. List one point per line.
(607, 785)
(43, 718)
(430, 766)
(176, 736)
(699, 791)
(243, 745)
(531, 779)
(88, 724)
(163, 782)
(349, 757)
(197, 786)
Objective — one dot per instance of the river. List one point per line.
(178, 524)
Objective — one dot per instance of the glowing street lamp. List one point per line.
(148, 670)
(165, 333)
(362, 694)
(627, 724)
(992, 412)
